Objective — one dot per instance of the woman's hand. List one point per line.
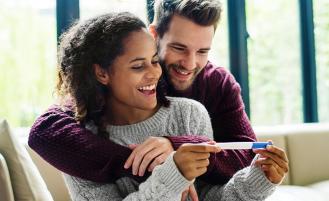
(154, 151)
(190, 192)
(193, 159)
(274, 163)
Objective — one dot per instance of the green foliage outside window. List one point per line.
(28, 61)
(321, 26)
(28, 57)
(274, 62)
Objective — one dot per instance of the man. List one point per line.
(184, 31)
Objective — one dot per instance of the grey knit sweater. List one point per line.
(166, 182)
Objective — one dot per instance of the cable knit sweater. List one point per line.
(68, 146)
(166, 182)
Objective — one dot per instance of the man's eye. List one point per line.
(179, 49)
(203, 52)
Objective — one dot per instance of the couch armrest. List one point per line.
(308, 150)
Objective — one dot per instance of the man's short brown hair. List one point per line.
(202, 12)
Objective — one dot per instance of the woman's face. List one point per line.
(134, 75)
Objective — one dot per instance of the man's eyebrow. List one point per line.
(142, 58)
(178, 44)
(204, 49)
(184, 46)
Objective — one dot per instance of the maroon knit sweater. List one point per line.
(68, 146)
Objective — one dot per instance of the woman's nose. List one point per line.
(154, 72)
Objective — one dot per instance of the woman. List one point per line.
(109, 70)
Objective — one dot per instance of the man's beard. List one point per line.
(177, 84)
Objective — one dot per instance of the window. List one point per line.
(92, 8)
(219, 50)
(274, 62)
(28, 59)
(321, 26)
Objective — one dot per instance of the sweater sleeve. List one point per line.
(165, 184)
(248, 184)
(68, 146)
(71, 148)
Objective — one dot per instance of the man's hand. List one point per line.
(190, 192)
(154, 151)
(274, 163)
(193, 159)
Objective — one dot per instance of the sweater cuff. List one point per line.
(177, 141)
(256, 183)
(171, 177)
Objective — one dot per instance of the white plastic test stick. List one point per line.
(243, 145)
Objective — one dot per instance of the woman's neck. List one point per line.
(121, 114)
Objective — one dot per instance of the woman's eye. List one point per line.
(137, 67)
(155, 61)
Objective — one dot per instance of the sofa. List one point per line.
(305, 144)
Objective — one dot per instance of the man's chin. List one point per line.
(181, 85)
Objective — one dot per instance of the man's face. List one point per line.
(183, 50)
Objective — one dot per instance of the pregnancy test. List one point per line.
(243, 145)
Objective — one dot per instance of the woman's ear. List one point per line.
(153, 31)
(101, 74)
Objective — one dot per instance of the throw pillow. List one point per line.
(26, 180)
(6, 191)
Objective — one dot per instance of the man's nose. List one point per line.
(189, 62)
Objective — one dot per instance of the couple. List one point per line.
(109, 69)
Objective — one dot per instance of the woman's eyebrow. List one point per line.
(156, 54)
(142, 58)
(137, 59)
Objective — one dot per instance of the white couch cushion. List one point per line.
(6, 191)
(296, 193)
(322, 187)
(26, 180)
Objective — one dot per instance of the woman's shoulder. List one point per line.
(186, 104)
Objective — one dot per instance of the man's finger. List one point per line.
(184, 195)
(193, 194)
(140, 154)
(148, 158)
(130, 160)
(157, 161)
(132, 146)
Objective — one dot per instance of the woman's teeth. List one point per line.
(147, 88)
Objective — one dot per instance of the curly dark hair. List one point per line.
(95, 41)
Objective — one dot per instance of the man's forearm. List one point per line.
(177, 141)
(61, 141)
(67, 145)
